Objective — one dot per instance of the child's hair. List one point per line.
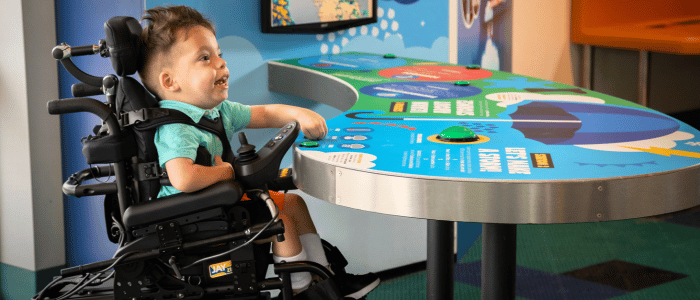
(160, 34)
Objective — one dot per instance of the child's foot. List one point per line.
(356, 286)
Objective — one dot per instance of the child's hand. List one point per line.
(230, 174)
(312, 124)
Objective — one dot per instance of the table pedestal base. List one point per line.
(497, 260)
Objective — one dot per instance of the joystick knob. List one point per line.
(246, 152)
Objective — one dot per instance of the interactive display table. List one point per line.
(459, 143)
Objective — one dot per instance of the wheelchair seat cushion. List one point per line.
(224, 193)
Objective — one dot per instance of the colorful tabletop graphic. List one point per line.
(526, 128)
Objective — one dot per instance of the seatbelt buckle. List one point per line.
(149, 171)
(141, 115)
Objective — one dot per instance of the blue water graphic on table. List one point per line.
(351, 62)
(480, 127)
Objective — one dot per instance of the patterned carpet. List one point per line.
(631, 259)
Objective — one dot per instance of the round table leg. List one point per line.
(498, 261)
(440, 262)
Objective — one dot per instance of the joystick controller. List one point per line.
(252, 168)
(246, 152)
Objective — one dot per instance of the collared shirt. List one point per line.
(182, 140)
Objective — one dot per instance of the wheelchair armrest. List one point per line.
(224, 193)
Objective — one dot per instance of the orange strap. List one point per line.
(277, 197)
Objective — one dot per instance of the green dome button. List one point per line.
(473, 67)
(309, 144)
(389, 56)
(462, 83)
(457, 134)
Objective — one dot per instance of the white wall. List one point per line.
(31, 205)
(371, 242)
(44, 133)
(541, 42)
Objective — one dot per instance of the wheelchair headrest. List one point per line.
(123, 40)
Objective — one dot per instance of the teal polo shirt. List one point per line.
(182, 140)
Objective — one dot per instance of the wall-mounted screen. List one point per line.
(316, 16)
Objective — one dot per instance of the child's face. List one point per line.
(198, 71)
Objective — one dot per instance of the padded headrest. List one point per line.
(122, 38)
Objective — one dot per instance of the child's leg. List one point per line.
(291, 250)
(291, 245)
(295, 207)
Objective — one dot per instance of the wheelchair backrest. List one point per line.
(123, 36)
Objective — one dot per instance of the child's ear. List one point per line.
(167, 82)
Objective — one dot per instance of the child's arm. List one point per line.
(277, 115)
(188, 177)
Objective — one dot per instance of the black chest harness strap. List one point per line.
(151, 118)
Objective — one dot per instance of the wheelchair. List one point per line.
(184, 246)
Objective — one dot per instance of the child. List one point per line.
(183, 65)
